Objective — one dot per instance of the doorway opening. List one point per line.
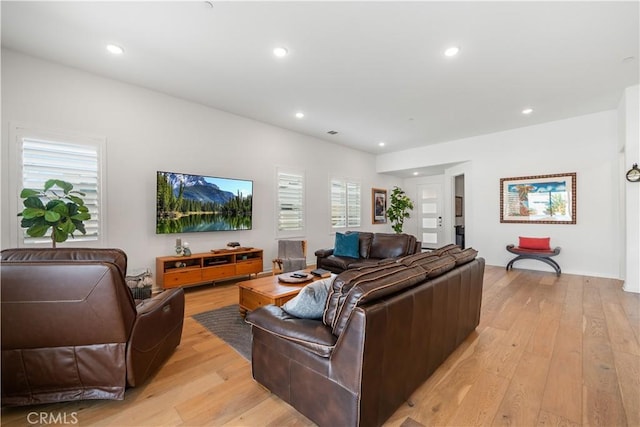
(459, 211)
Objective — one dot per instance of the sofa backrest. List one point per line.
(364, 242)
(64, 297)
(359, 286)
(389, 245)
(114, 256)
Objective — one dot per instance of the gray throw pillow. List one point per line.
(310, 302)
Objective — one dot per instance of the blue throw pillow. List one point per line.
(347, 245)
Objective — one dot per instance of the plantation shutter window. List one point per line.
(78, 164)
(353, 204)
(345, 203)
(290, 201)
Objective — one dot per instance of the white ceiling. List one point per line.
(372, 71)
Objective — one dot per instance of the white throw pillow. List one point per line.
(310, 302)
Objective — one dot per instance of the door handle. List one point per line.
(439, 221)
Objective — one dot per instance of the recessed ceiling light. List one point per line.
(115, 49)
(416, 173)
(299, 114)
(381, 143)
(452, 51)
(280, 52)
(527, 111)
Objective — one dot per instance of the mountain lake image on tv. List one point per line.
(190, 203)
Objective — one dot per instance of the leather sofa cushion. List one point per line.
(371, 262)
(342, 285)
(365, 239)
(465, 256)
(439, 266)
(356, 287)
(436, 265)
(310, 334)
(418, 258)
(447, 249)
(387, 245)
(337, 262)
(52, 297)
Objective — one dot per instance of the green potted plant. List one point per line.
(399, 206)
(62, 209)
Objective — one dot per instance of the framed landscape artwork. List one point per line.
(539, 199)
(378, 206)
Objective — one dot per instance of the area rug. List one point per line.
(228, 325)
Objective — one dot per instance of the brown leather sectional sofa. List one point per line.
(385, 330)
(71, 329)
(374, 248)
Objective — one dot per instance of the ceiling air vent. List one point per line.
(332, 132)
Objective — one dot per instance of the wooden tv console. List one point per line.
(207, 267)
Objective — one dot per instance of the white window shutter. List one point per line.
(290, 201)
(345, 203)
(77, 164)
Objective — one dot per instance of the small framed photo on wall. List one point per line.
(378, 206)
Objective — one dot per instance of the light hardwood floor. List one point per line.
(548, 351)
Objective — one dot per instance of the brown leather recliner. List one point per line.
(71, 329)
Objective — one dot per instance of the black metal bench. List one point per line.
(543, 255)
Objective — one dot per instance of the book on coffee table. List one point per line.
(321, 272)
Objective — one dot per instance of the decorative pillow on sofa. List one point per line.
(538, 243)
(347, 245)
(310, 302)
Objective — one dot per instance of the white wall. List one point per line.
(629, 137)
(586, 145)
(148, 131)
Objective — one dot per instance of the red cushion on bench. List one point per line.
(538, 243)
(519, 250)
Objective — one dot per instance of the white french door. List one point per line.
(430, 227)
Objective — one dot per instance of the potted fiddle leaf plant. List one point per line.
(58, 206)
(399, 206)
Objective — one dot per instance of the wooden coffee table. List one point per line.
(267, 290)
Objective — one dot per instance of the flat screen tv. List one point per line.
(190, 203)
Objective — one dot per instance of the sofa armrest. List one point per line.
(313, 335)
(156, 333)
(323, 253)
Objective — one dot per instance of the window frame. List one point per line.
(19, 132)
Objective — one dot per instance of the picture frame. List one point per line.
(538, 199)
(458, 206)
(378, 206)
